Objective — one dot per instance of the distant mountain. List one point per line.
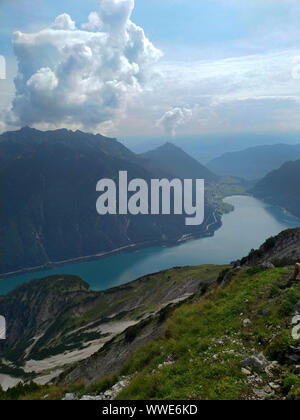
(254, 163)
(281, 187)
(206, 147)
(48, 199)
(173, 160)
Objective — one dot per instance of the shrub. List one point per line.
(286, 308)
(291, 385)
(278, 348)
(18, 391)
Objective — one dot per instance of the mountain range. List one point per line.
(207, 147)
(48, 184)
(254, 163)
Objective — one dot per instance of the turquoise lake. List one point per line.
(245, 228)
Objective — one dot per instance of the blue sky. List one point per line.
(213, 21)
(225, 63)
(169, 22)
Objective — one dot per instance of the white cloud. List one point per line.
(174, 118)
(82, 78)
(94, 22)
(246, 93)
(43, 80)
(115, 14)
(64, 21)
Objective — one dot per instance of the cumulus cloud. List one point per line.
(174, 118)
(82, 77)
(43, 80)
(94, 22)
(64, 21)
(115, 13)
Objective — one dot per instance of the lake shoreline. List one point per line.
(217, 224)
(241, 230)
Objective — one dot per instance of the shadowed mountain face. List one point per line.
(176, 162)
(48, 206)
(281, 187)
(256, 162)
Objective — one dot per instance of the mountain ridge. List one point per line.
(256, 162)
(49, 214)
(280, 250)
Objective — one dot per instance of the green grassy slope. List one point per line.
(206, 340)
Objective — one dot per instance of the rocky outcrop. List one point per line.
(266, 378)
(258, 362)
(281, 250)
(108, 395)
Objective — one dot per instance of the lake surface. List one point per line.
(245, 228)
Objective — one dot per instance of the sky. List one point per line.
(151, 67)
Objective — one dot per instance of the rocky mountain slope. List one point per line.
(237, 342)
(49, 213)
(281, 187)
(56, 321)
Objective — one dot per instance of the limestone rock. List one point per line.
(246, 322)
(246, 372)
(267, 264)
(70, 397)
(258, 362)
(261, 393)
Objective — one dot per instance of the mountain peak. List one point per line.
(176, 162)
(170, 146)
(27, 129)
